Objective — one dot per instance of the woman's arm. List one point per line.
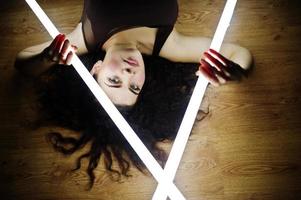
(37, 59)
(181, 48)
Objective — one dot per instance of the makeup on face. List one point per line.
(122, 75)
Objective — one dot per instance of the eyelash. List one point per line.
(135, 88)
(116, 81)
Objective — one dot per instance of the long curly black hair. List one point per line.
(67, 102)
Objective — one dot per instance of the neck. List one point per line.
(120, 43)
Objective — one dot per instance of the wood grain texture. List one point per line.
(248, 146)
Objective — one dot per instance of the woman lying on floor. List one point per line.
(131, 58)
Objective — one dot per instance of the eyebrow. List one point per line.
(118, 86)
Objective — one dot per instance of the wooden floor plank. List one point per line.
(248, 146)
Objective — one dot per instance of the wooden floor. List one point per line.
(249, 147)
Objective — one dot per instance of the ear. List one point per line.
(96, 67)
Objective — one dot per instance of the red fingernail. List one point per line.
(62, 38)
(208, 71)
(204, 62)
(213, 51)
(210, 74)
(207, 55)
(205, 66)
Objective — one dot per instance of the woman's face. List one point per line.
(121, 74)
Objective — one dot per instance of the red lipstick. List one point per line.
(131, 61)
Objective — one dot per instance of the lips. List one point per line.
(131, 61)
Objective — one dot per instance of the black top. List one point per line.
(103, 18)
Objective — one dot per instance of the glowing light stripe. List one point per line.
(193, 106)
(109, 107)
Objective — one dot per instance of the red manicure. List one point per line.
(214, 60)
(225, 60)
(206, 67)
(60, 41)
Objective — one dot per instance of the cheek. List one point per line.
(113, 65)
(140, 78)
(104, 73)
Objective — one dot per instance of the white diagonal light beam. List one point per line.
(109, 107)
(193, 106)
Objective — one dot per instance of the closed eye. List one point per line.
(117, 83)
(114, 80)
(135, 89)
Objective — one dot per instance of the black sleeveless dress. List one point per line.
(103, 18)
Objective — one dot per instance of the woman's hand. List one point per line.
(218, 69)
(37, 59)
(60, 51)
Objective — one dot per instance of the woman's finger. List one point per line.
(219, 56)
(75, 48)
(220, 66)
(53, 44)
(221, 80)
(207, 75)
(220, 75)
(65, 48)
(69, 58)
(236, 71)
(58, 47)
(208, 69)
(225, 71)
(232, 70)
